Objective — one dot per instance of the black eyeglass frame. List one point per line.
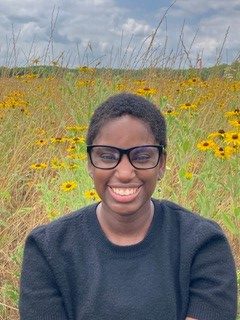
(161, 151)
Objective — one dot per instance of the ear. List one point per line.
(90, 168)
(162, 166)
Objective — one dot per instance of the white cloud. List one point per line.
(203, 6)
(131, 26)
(99, 26)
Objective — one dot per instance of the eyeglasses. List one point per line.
(141, 157)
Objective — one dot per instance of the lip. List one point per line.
(129, 186)
(124, 198)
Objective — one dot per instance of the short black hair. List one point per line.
(128, 104)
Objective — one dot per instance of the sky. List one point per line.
(119, 33)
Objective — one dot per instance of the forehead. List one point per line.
(125, 131)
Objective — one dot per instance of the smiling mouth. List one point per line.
(125, 191)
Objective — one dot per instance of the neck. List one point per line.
(125, 229)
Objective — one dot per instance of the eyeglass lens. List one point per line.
(140, 157)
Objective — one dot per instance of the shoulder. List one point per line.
(187, 223)
(62, 228)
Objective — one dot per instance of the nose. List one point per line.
(124, 170)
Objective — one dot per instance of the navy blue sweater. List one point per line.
(183, 267)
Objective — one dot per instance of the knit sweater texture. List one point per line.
(183, 267)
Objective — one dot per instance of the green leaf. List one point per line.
(163, 101)
(237, 212)
(229, 224)
(186, 145)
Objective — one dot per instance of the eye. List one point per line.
(107, 156)
(141, 157)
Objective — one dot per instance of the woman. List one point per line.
(129, 256)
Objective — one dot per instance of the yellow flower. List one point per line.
(41, 142)
(40, 131)
(171, 112)
(206, 145)
(140, 82)
(85, 69)
(224, 153)
(53, 214)
(58, 140)
(188, 175)
(218, 134)
(188, 106)
(194, 80)
(235, 86)
(120, 87)
(77, 156)
(91, 195)
(235, 123)
(68, 186)
(146, 91)
(235, 112)
(77, 128)
(38, 166)
(84, 83)
(76, 140)
(232, 138)
(71, 149)
(72, 166)
(57, 164)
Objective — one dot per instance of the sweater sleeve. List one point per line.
(213, 284)
(39, 294)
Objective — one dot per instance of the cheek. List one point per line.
(150, 179)
(100, 179)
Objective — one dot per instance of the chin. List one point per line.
(124, 209)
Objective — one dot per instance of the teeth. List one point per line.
(124, 191)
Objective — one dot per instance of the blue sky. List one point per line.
(119, 33)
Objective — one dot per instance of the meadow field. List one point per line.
(43, 122)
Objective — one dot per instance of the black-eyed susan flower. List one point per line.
(71, 149)
(233, 113)
(77, 156)
(233, 138)
(57, 164)
(68, 186)
(188, 106)
(58, 140)
(217, 134)
(171, 112)
(76, 140)
(41, 142)
(206, 145)
(72, 166)
(235, 123)
(85, 69)
(146, 91)
(38, 166)
(84, 83)
(91, 195)
(224, 152)
(235, 86)
(140, 82)
(120, 87)
(77, 128)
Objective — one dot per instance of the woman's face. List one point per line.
(125, 190)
